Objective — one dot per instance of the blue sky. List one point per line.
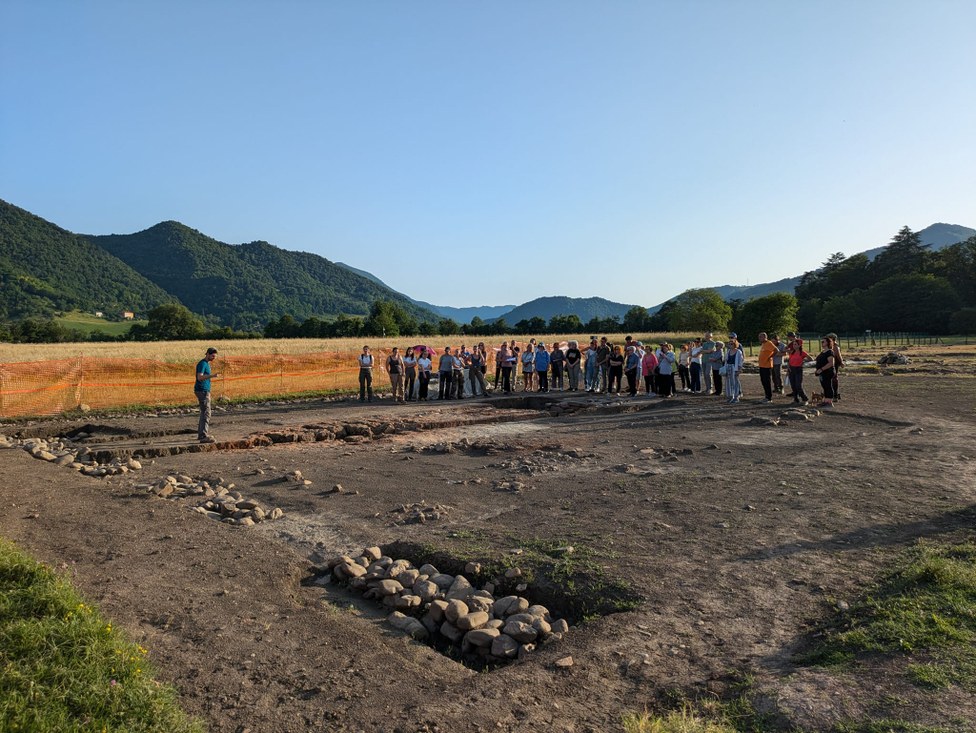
(488, 153)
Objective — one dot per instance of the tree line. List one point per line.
(907, 287)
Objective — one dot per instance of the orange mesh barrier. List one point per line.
(56, 386)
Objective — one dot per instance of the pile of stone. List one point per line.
(893, 357)
(437, 607)
(419, 513)
(220, 501)
(59, 453)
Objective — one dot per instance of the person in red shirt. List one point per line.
(797, 357)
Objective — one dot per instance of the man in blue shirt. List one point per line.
(201, 388)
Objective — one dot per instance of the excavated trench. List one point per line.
(107, 442)
(561, 596)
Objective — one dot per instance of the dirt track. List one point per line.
(733, 549)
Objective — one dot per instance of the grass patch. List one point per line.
(64, 668)
(677, 721)
(925, 606)
(88, 323)
(889, 726)
(573, 584)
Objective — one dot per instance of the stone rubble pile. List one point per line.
(893, 357)
(220, 500)
(56, 451)
(433, 606)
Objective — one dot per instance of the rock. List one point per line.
(133, 464)
(388, 587)
(564, 662)
(408, 577)
(430, 571)
(442, 580)
(540, 611)
(520, 631)
(455, 609)
(481, 637)
(525, 650)
(513, 573)
(276, 513)
(408, 625)
(495, 623)
(460, 589)
(437, 609)
(425, 590)
(45, 455)
(353, 570)
(373, 553)
(451, 632)
(504, 647)
(843, 606)
(65, 460)
(480, 603)
(471, 621)
(473, 568)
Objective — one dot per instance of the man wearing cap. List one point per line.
(201, 388)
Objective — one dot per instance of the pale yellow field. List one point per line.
(188, 351)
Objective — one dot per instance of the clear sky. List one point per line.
(489, 153)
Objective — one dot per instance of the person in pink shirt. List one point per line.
(797, 357)
(648, 365)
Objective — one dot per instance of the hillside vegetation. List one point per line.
(245, 286)
(44, 269)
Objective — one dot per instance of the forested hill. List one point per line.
(246, 286)
(44, 269)
(585, 308)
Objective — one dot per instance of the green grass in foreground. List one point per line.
(677, 721)
(64, 668)
(926, 606)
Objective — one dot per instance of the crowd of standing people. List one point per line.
(705, 366)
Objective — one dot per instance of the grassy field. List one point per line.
(88, 323)
(183, 352)
(188, 351)
(64, 668)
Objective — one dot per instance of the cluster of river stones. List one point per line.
(59, 453)
(220, 501)
(431, 606)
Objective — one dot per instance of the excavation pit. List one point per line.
(481, 614)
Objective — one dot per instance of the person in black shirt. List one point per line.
(574, 359)
(825, 370)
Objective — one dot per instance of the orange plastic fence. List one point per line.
(55, 386)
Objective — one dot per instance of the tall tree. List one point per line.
(904, 255)
(773, 313)
(700, 309)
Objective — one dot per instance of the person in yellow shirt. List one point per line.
(767, 349)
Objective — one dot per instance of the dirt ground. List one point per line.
(734, 535)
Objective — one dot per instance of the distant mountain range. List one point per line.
(44, 268)
(460, 315)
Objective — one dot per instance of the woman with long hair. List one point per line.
(826, 371)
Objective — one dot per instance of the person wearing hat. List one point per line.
(201, 388)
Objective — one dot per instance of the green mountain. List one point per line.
(247, 285)
(44, 269)
(559, 305)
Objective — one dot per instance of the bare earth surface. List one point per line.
(734, 535)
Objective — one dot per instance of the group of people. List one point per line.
(702, 365)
